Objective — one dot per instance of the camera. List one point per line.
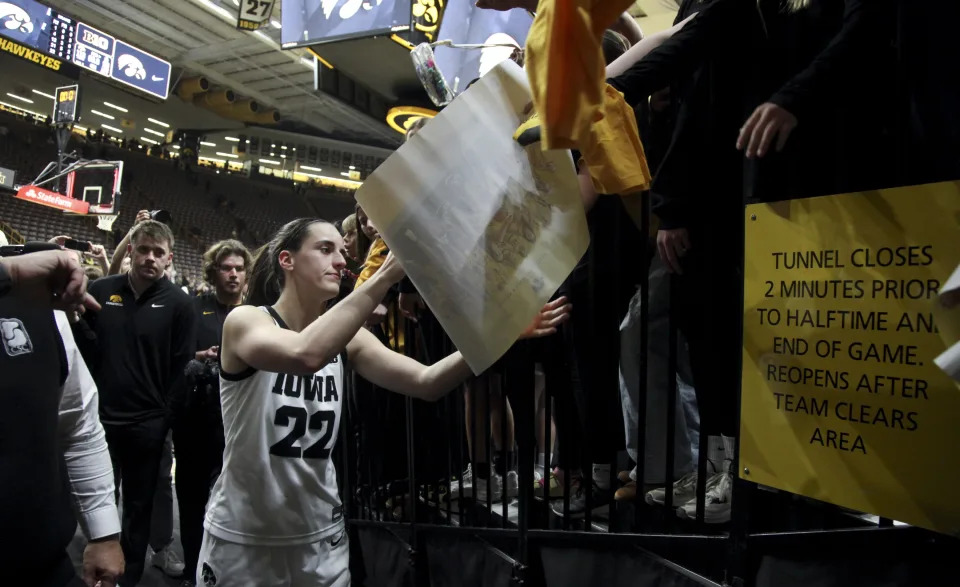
(161, 216)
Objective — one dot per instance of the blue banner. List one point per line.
(141, 70)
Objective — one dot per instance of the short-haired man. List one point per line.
(198, 423)
(145, 334)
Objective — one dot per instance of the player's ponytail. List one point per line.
(267, 278)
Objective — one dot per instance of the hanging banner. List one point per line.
(254, 14)
(842, 400)
(487, 230)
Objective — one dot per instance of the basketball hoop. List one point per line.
(105, 221)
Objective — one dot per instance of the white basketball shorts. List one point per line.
(319, 564)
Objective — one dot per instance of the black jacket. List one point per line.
(35, 504)
(818, 63)
(141, 347)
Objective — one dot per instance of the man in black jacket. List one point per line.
(198, 423)
(145, 334)
(53, 450)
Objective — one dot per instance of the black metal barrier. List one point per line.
(405, 467)
(414, 522)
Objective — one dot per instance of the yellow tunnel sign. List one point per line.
(841, 400)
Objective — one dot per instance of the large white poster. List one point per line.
(486, 229)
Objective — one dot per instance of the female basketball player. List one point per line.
(275, 516)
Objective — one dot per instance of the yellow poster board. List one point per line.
(842, 401)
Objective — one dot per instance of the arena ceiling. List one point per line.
(199, 37)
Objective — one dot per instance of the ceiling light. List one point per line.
(230, 155)
(44, 94)
(232, 139)
(113, 128)
(273, 146)
(352, 167)
(21, 98)
(149, 140)
(269, 161)
(78, 127)
(310, 168)
(283, 156)
(275, 24)
(174, 146)
(158, 123)
(236, 2)
(248, 141)
(115, 107)
(154, 132)
(107, 116)
(206, 144)
(345, 174)
(284, 147)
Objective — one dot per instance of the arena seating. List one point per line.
(205, 206)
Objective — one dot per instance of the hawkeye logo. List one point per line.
(115, 300)
(132, 67)
(22, 52)
(14, 18)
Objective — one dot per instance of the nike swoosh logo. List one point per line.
(156, 305)
(332, 543)
(156, 78)
(207, 313)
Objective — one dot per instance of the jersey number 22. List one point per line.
(288, 447)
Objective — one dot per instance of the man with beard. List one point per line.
(143, 337)
(198, 423)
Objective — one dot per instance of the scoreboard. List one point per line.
(39, 28)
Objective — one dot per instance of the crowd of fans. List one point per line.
(751, 101)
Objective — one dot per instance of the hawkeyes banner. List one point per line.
(842, 400)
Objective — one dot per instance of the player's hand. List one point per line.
(54, 277)
(142, 216)
(59, 240)
(209, 354)
(767, 122)
(545, 323)
(410, 305)
(377, 316)
(103, 563)
(673, 245)
(391, 269)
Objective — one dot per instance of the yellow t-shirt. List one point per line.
(565, 65)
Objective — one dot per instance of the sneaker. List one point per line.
(717, 503)
(511, 484)
(168, 561)
(539, 481)
(496, 489)
(578, 503)
(684, 489)
(464, 485)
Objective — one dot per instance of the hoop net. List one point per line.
(105, 221)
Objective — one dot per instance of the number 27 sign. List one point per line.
(254, 14)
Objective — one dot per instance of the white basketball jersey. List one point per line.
(278, 486)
